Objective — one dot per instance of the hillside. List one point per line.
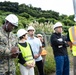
(28, 14)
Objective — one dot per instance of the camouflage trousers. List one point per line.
(7, 67)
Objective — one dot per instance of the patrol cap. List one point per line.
(58, 24)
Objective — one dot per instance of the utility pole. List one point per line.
(74, 6)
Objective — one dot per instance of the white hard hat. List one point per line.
(75, 19)
(39, 35)
(12, 19)
(31, 28)
(21, 32)
(58, 24)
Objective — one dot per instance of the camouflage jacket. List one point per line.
(7, 40)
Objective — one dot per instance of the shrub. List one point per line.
(49, 63)
(49, 66)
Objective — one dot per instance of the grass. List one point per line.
(49, 66)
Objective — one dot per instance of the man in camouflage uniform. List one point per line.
(7, 44)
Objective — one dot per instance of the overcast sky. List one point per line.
(61, 6)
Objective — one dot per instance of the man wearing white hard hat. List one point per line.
(59, 46)
(36, 46)
(71, 39)
(7, 45)
(25, 57)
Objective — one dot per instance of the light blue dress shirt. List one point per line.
(35, 45)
